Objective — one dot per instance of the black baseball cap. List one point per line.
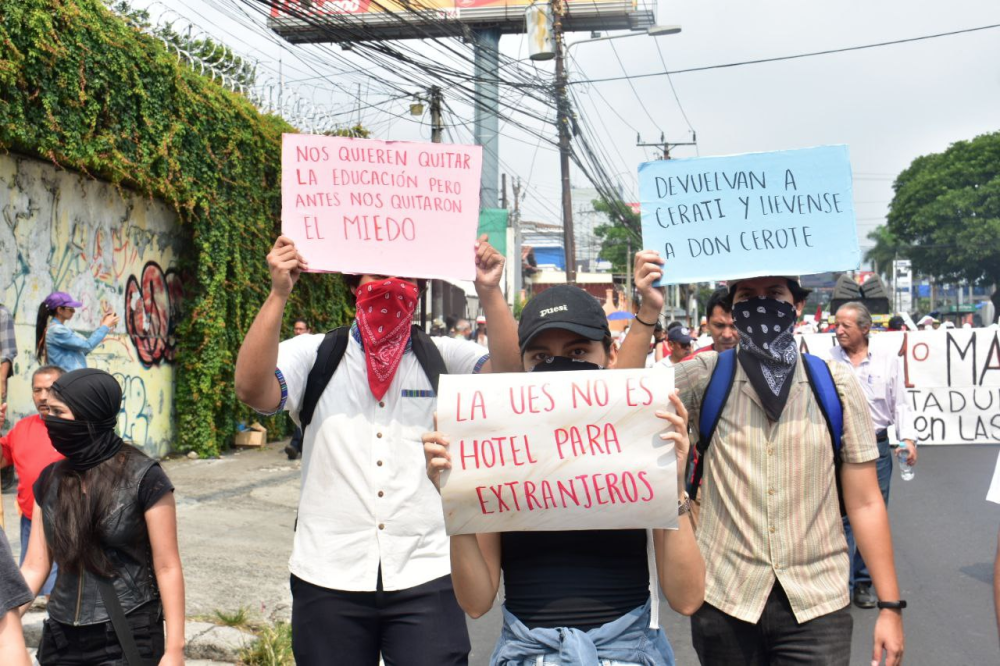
(566, 307)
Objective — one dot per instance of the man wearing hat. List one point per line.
(770, 528)
(680, 342)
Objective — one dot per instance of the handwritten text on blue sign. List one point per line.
(780, 213)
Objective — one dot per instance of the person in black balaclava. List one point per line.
(578, 596)
(110, 523)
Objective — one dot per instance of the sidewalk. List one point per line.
(235, 518)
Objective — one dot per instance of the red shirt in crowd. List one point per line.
(27, 445)
(696, 352)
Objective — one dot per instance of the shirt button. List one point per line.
(770, 491)
(771, 530)
(378, 462)
(380, 493)
(381, 526)
(379, 435)
(381, 404)
(770, 451)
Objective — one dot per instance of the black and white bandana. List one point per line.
(767, 349)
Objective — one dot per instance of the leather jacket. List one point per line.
(76, 599)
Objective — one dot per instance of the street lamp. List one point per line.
(652, 31)
(563, 122)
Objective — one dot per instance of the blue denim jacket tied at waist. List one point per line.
(629, 639)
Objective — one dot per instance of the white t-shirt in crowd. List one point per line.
(365, 499)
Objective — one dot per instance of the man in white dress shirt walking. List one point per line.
(370, 566)
(881, 377)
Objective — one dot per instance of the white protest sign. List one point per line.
(952, 380)
(558, 451)
(381, 207)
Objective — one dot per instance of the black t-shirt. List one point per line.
(153, 486)
(580, 579)
(13, 590)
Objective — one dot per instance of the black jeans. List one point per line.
(776, 640)
(97, 644)
(419, 626)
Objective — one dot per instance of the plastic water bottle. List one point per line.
(905, 470)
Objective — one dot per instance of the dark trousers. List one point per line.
(296, 442)
(97, 644)
(859, 570)
(419, 626)
(776, 640)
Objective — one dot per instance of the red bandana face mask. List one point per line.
(385, 311)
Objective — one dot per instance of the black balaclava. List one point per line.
(95, 398)
(561, 363)
(767, 350)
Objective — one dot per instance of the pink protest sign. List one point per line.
(381, 207)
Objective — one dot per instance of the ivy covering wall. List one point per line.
(84, 90)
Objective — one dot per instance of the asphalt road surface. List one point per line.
(945, 537)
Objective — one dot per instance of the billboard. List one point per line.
(306, 21)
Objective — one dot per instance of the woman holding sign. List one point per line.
(577, 598)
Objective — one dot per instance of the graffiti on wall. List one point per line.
(60, 231)
(152, 310)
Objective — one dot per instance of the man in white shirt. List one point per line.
(370, 568)
(881, 377)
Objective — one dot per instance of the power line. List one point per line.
(790, 57)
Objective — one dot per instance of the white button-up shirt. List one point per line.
(366, 500)
(881, 377)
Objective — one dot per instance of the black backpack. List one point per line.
(332, 349)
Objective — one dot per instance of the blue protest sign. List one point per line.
(783, 213)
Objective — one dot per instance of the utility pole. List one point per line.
(664, 144)
(562, 122)
(436, 124)
(503, 190)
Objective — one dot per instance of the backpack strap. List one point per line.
(716, 394)
(821, 381)
(823, 387)
(331, 350)
(428, 355)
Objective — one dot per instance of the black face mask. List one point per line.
(561, 363)
(89, 438)
(767, 349)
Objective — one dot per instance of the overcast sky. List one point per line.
(888, 104)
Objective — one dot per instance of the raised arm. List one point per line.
(61, 336)
(475, 558)
(505, 355)
(648, 269)
(256, 384)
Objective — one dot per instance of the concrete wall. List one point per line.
(61, 231)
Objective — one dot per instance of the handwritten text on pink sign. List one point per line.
(384, 208)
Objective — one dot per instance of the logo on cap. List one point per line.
(558, 308)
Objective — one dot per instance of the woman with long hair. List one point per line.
(106, 515)
(56, 343)
(584, 597)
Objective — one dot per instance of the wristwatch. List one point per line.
(684, 506)
(896, 605)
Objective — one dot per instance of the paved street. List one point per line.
(236, 517)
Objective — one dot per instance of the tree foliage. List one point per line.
(946, 207)
(616, 238)
(888, 247)
(84, 89)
